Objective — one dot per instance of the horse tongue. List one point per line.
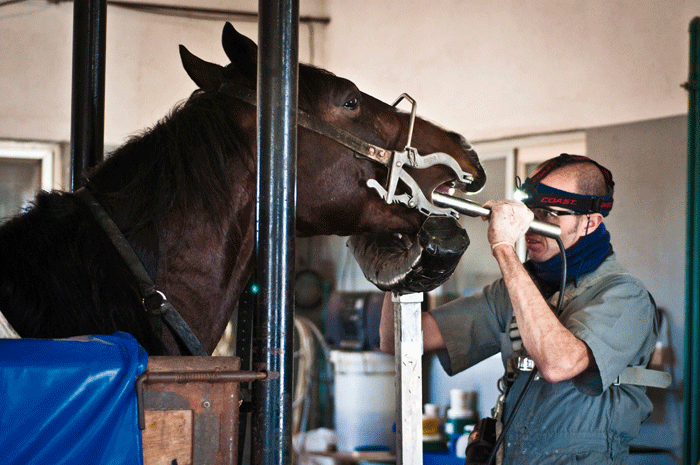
(445, 189)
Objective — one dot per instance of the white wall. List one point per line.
(488, 69)
(143, 79)
(495, 68)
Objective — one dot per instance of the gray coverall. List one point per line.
(585, 420)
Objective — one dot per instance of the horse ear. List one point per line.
(242, 51)
(208, 76)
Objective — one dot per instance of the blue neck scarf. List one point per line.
(581, 258)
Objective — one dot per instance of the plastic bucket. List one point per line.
(364, 400)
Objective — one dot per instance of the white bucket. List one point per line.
(365, 400)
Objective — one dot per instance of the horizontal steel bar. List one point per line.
(470, 208)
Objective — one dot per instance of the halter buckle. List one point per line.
(153, 302)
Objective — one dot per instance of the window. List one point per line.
(25, 169)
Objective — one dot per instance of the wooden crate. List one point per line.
(188, 409)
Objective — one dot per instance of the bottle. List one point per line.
(461, 418)
(432, 428)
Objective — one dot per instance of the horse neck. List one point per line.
(205, 265)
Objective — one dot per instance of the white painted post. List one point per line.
(408, 347)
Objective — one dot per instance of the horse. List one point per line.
(183, 195)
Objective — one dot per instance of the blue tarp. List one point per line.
(70, 401)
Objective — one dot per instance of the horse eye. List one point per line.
(351, 104)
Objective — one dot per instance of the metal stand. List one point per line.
(408, 347)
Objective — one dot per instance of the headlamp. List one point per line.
(534, 194)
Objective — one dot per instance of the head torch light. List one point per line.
(534, 194)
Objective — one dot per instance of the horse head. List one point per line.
(332, 192)
(183, 193)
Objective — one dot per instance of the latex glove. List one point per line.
(508, 222)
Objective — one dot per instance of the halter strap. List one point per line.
(392, 159)
(154, 301)
(317, 125)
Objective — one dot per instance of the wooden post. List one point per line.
(408, 347)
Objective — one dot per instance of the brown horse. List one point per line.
(183, 194)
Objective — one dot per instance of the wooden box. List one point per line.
(189, 410)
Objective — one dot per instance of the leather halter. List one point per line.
(154, 301)
(393, 160)
(304, 119)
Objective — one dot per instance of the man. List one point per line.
(573, 411)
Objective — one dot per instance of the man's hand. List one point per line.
(508, 222)
(386, 325)
(432, 338)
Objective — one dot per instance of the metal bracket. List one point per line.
(415, 199)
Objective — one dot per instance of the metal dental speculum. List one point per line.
(410, 157)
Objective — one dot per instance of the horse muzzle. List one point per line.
(404, 264)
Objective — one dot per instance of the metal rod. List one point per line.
(189, 377)
(408, 347)
(88, 94)
(278, 48)
(472, 209)
(691, 439)
(195, 12)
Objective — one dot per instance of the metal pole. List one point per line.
(88, 95)
(278, 46)
(691, 377)
(408, 347)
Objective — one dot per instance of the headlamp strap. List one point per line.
(542, 194)
(567, 159)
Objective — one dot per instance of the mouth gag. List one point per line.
(410, 157)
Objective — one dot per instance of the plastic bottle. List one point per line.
(461, 418)
(432, 428)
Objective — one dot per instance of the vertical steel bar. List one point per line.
(278, 46)
(408, 347)
(88, 91)
(691, 376)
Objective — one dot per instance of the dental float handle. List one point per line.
(470, 208)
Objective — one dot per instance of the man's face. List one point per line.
(573, 227)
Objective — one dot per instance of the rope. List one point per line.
(310, 340)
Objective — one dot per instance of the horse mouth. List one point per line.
(448, 188)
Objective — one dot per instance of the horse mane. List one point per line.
(186, 162)
(54, 280)
(183, 163)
